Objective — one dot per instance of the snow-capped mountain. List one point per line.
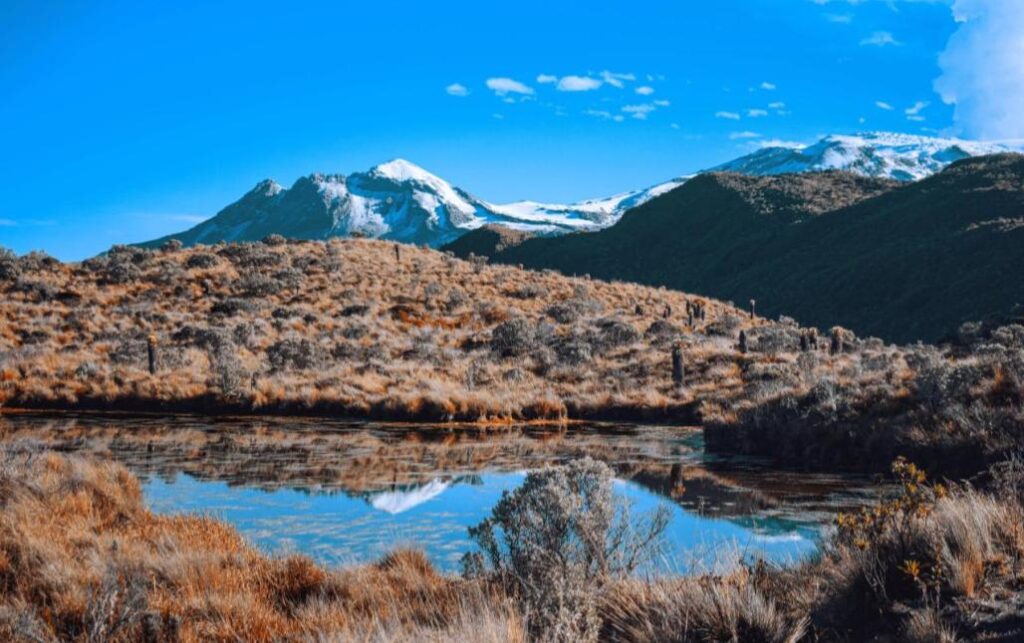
(903, 157)
(395, 200)
(401, 201)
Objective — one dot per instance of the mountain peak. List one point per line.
(269, 187)
(402, 170)
(905, 157)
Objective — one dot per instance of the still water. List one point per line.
(350, 492)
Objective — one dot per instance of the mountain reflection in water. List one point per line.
(347, 492)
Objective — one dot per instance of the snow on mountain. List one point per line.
(395, 200)
(904, 157)
(401, 201)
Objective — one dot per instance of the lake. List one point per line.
(349, 492)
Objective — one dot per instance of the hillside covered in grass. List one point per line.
(372, 329)
(905, 262)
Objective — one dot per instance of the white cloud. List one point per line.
(777, 105)
(767, 86)
(578, 84)
(457, 89)
(615, 79)
(839, 18)
(774, 142)
(881, 104)
(733, 116)
(914, 111)
(547, 79)
(188, 218)
(741, 135)
(674, 125)
(879, 39)
(639, 111)
(644, 90)
(983, 69)
(661, 102)
(916, 108)
(497, 116)
(503, 86)
(755, 113)
(606, 115)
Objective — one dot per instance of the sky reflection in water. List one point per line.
(338, 528)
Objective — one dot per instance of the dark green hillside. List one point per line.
(903, 262)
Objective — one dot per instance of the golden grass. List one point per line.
(81, 558)
(427, 325)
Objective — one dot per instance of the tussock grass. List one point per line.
(82, 559)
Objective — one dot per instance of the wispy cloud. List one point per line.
(661, 102)
(12, 223)
(457, 89)
(644, 90)
(777, 105)
(639, 112)
(188, 218)
(767, 86)
(733, 116)
(914, 111)
(774, 142)
(504, 86)
(879, 39)
(881, 104)
(604, 114)
(616, 79)
(743, 135)
(756, 113)
(578, 84)
(839, 18)
(546, 79)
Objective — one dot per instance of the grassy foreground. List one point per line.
(82, 559)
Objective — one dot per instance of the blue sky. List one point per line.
(122, 121)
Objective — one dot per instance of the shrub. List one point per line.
(513, 337)
(172, 245)
(557, 541)
(298, 354)
(661, 331)
(119, 271)
(353, 310)
(612, 333)
(456, 299)
(36, 290)
(274, 240)
(9, 268)
(202, 260)
(528, 291)
(256, 284)
(226, 369)
(250, 255)
(232, 306)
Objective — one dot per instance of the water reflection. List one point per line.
(349, 492)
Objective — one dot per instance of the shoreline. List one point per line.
(685, 415)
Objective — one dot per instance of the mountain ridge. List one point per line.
(401, 201)
(910, 262)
